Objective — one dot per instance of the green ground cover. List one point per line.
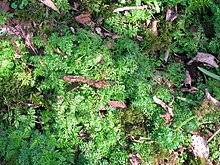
(44, 119)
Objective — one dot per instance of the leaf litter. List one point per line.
(135, 159)
(50, 4)
(93, 83)
(85, 19)
(205, 58)
(169, 111)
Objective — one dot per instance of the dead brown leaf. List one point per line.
(163, 105)
(204, 58)
(93, 83)
(83, 135)
(99, 32)
(5, 6)
(211, 99)
(154, 27)
(171, 14)
(190, 90)
(76, 5)
(117, 104)
(85, 19)
(167, 53)
(135, 159)
(50, 4)
(188, 80)
(167, 117)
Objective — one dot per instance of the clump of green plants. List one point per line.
(45, 119)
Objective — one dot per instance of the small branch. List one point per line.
(132, 8)
(213, 135)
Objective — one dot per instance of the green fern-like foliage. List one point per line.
(198, 5)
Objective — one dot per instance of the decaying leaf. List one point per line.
(4, 6)
(190, 90)
(102, 112)
(93, 83)
(83, 135)
(211, 99)
(167, 117)
(163, 105)
(103, 32)
(204, 58)
(76, 6)
(117, 104)
(85, 19)
(167, 53)
(99, 31)
(171, 14)
(135, 159)
(50, 4)
(188, 80)
(199, 146)
(154, 27)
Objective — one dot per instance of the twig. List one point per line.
(132, 8)
(213, 135)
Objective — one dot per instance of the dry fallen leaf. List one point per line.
(135, 159)
(102, 112)
(154, 27)
(190, 90)
(211, 99)
(167, 117)
(163, 105)
(204, 58)
(188, 80)
(167, 53)
(99, 31)
(171, 14)
(117, 104)
(199, 146)
(93, 83)
(83, 135)
(84, 19)
(50, 4)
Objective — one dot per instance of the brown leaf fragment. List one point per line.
(93, 83)
(75, 5)
(167, 117)
(5, 6)
(139, 38)
(211, 99)
(199, 146)
(102, 112)
(163, 105)
(135, 159)
(167, 53)
(188, 80)
(99, 32)
(204, 58)
(190, 90)
(28, 43)
(154, 27)
(50, 4)
(117, 104)
(83, 135)
(84, 19)
(171, 14)
(33, 105)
